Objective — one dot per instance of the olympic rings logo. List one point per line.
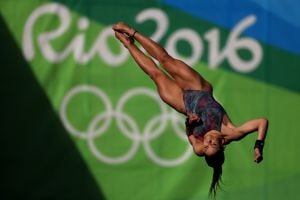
(152, 130)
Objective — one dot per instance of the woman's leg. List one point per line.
(167, 88)
(185, 76)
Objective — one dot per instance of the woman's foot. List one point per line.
(123, 28)
(126, 41)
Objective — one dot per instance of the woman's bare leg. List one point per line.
(167, 88)
(185, 76)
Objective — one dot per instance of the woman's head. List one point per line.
(212, 143)
(209, 145)
(212, 147)
(215, 161)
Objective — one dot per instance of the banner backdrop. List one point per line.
(82, 121)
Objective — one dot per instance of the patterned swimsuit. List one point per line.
(206, 108)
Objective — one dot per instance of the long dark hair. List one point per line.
(215, 161)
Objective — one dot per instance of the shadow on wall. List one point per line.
(38, 158)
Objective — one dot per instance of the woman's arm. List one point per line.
(191, 137)
(196, 143)
(260, 125)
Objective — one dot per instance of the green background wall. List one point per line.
(80, 120)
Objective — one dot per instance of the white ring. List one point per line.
(99, 154)
(134, 92)
(161, 161)
(83, 88)
(132, 132)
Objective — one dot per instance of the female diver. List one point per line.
(208, 127)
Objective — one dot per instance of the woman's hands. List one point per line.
(193, 118)
(258, 150)
(257, 155)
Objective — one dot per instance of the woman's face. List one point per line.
(211, 144)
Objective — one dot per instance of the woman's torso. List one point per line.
(210, 112)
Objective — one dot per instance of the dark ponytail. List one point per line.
(216, 161)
